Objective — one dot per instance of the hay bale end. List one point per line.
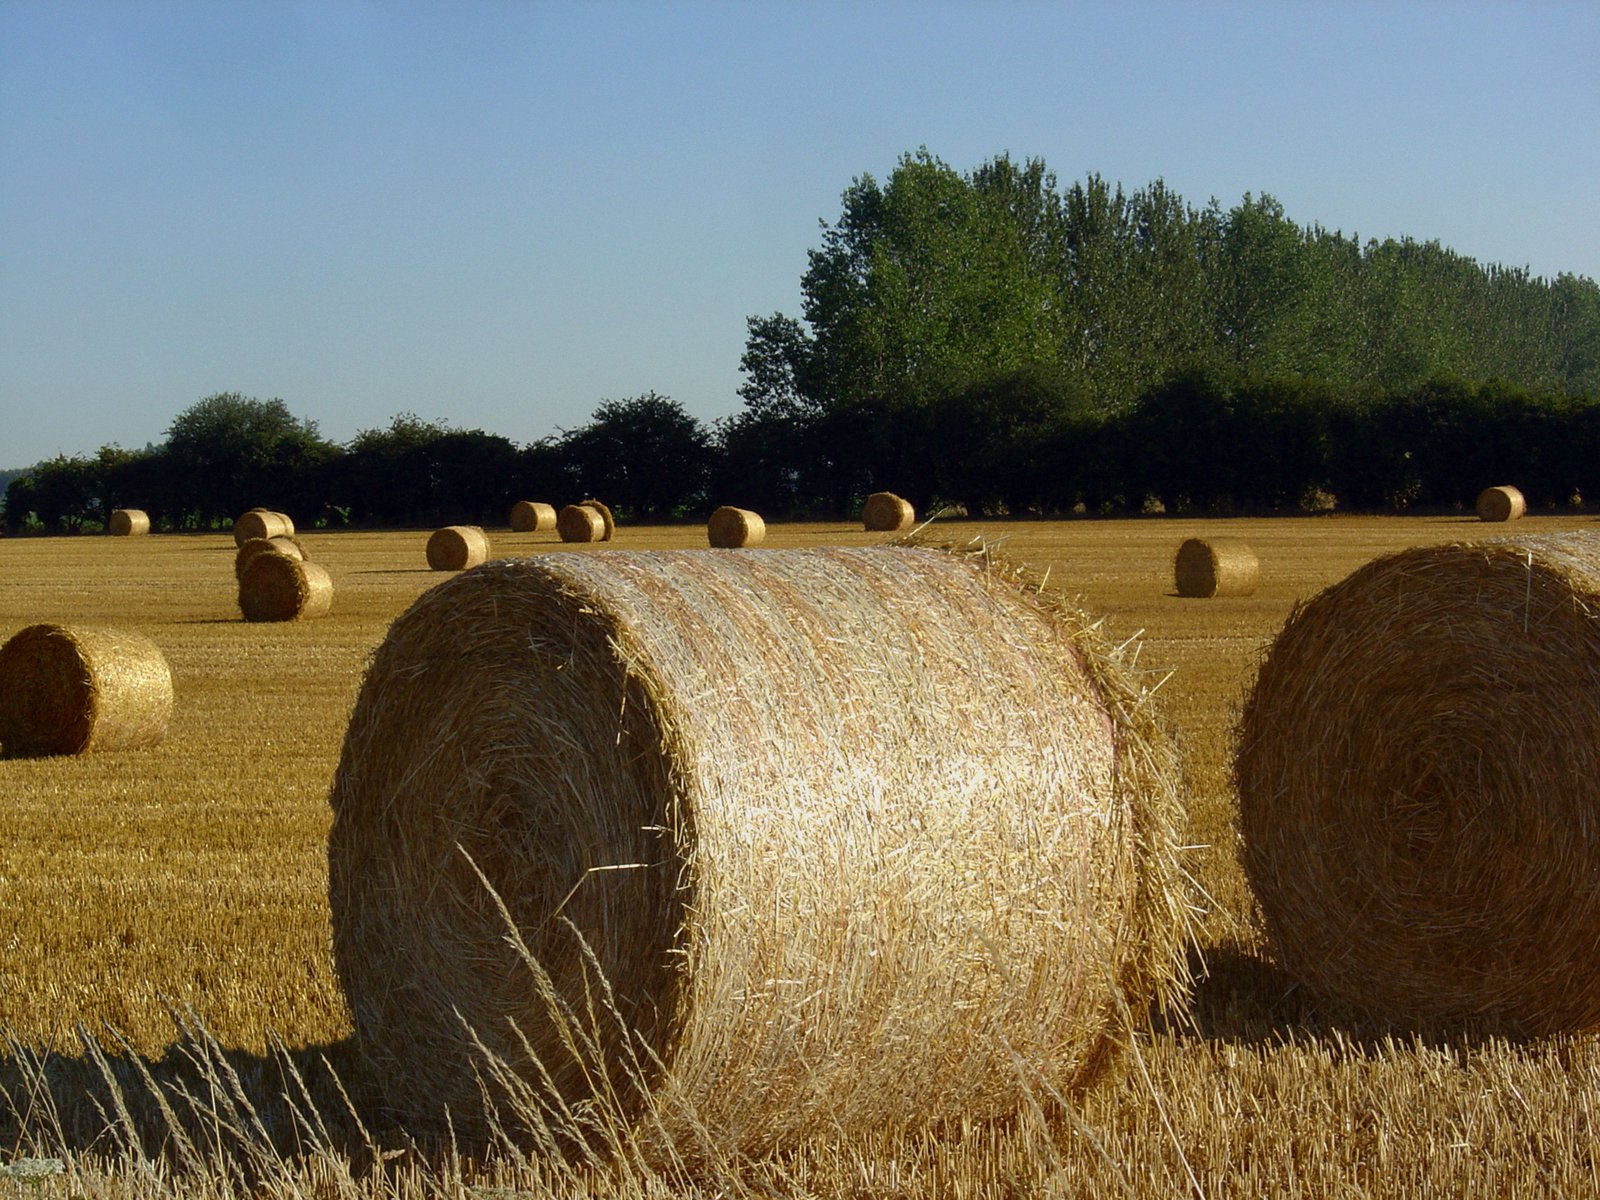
(1212, 567)
(733, 528)
(73, 690)
(1501, 504)
(457, 547)
(276, 587)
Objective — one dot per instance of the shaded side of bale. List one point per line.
(275, 587)
(261, 523)
(605, 516)
(861, 839)
(72, 690)
(884, 512)
(1501, 504)
(1418, 778)
(581, 523)
(128, 522)
(731, 528)
(246, 554)
(457, 547)
(1215, 567)
(530, 516)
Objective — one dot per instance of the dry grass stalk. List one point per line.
(457, 547)
(72, 690)
(884, 512)
(530, 516)
(1215, 567)
(605, 516)
(581, 523)
(261, 523)
(1418, 778)
(275, 587)
(128, 522)
(731, 528)
(246, 554)
(859, 838)
(1501, 504)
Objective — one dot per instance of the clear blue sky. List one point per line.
(500, 214)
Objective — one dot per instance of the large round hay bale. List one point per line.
(128, 522)
(261, 523)
(859, 838)
(605, 516)
(71, 690)
(1419, 785)
(1501, 504)
(581, 523)
(275, 587)
(457, 547)
(884, 512)
(731, 528)
(246, 554)
(530, 516)
(1215, 567)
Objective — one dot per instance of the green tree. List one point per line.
(645, 456)
(228, 452)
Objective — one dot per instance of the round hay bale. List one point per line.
(529, 516)
(605, 516)
(275, 587)
(72, 690)
(858, 838)
(246, 554)
(731, 528)
(457, 547)
(1419, 780)
(581, 523)
(261, 523)
(1215, 567)
(884, 512)
(1501, 504)
(128, 522)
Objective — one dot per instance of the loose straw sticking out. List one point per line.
(861, 839)
(581, 523)
(884, 512)
(605, 517)
(1501, 504)
(128, 522)
(69, 691)
(246, 554)
(731, 528)
(1218, 567)
(457, 547)
(1419, 778)
(261, 523)
(530, 516)
(275, 587)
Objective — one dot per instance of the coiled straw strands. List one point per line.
(1215, 567)
(581, 523)
(261, 523)
(275, 587)
(731, 528)
(860, 838)
(1501, 504)
(457, 547)
(1419, 777)
(530, 516)
(884, 512)
(606, 517)
(72, 690)
(246, 554)
(128, 522)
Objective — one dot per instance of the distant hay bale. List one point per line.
(275, 587)
(731, 528)
(581, 523)
(605, 516)
(860, 838)
(246, 554)
(884, 512)
(261, 523)
(128, 522)
(1419, 782)
(530, 516)
(1215, 567)
(73, 690)
(1501, 504)
(457, 547)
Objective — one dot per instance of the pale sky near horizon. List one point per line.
(499, 214)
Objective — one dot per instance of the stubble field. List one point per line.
(172, 904)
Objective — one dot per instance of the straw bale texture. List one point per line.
(275, 587)
(860, 838)
(128, 522)
(730, 528)
(581, 523)
(261, 523)
(884, 512)
(246, 554)
(457, 547)
(71, 690)
(605, 516)
(530, 516)
(1501, 504)
(1215, 567)
(1419, 785)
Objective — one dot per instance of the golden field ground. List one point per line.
(191, 879)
